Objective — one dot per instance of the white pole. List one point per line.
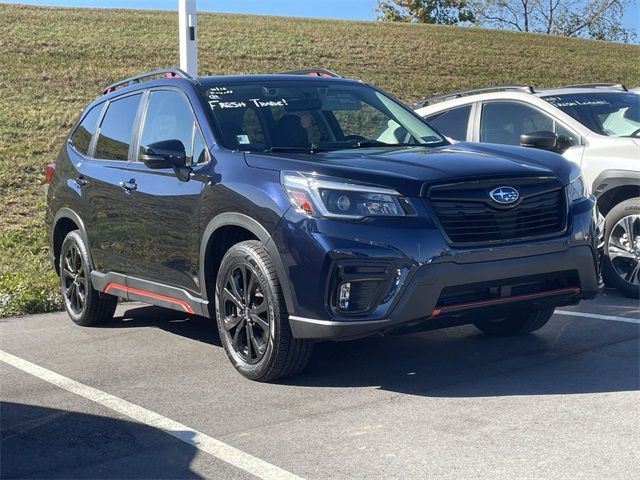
(187, 19)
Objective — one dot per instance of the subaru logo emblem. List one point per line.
(504, 195)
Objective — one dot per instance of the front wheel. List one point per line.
(517, 323)
(621, 262)
(252, 317)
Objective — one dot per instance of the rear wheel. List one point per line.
(85, 305)
(621, 263)
(516, 324)
(252, 317)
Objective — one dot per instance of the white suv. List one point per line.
(596, 126)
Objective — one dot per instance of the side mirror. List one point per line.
(165, 154)
(564, 142)
(543, 140)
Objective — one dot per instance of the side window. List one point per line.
(199, 147)
(504, 122)
(573, 139)
(81, 137)
(116, 128)
(453, 123)
(169, 117)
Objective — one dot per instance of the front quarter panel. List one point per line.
(605, 153)
(236, 187)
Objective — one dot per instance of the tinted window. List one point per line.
(504, 122)
(169, 117)
(453, 123)
(81, 138)
(116, 128)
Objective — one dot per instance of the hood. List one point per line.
(620, 146)
(409, 169)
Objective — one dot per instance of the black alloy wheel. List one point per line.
(252, 317)
(74, 279)
(85, 305)
(246, 316)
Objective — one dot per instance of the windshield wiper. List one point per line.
(290, 149)
(339, 146)
(360, 144)
(376, 143)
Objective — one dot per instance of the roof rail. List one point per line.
(166, 72)
(463, 93)
(615, 86)
(313, 72)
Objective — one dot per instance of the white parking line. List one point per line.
(199, 440)
(597, 316)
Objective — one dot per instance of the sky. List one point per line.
(344, 9)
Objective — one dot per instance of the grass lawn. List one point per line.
(54, 61)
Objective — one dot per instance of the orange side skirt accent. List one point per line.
(144, 293)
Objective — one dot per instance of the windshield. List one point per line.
(616, 114)
(312, 116)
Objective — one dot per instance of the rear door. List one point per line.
(161, 217)
(100, 178)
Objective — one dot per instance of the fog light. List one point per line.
(345, 290)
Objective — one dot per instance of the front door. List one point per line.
(161, 219)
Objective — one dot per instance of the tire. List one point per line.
(273, 352)
(516, 324)
(85, 305)
(621, 260)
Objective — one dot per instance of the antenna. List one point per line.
(187, 22)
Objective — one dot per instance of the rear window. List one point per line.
(116, 129)
(81, 138)
(453, 123)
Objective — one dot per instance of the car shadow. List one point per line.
(613, 302)
(568, 356)
(462, 362)
(39, 442)
(193, 327)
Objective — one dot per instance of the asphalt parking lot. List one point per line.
(562, 403)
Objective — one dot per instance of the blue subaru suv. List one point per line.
(304, 206)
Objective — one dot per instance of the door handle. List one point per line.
(129, 186)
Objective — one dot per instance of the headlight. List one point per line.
(577, 189)
(331, 197)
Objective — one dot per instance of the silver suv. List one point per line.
(596, 126)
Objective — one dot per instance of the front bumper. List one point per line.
(418, 303)
(425, 273)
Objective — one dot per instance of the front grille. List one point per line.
(468, 215)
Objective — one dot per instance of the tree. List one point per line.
(598, 19)
(447, 12)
